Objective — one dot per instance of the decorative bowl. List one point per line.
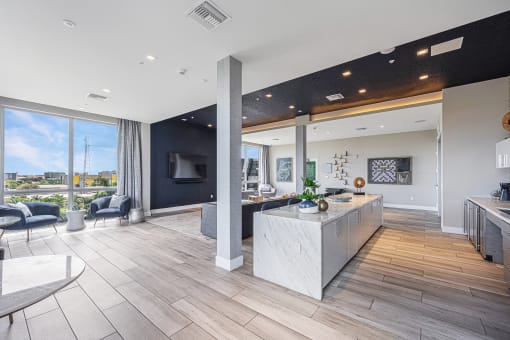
(308, 207)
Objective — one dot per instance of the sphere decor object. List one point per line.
(323, 205)
(506, 121)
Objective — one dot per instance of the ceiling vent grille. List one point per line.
(96, 97)
(336, 96)
(208, 15)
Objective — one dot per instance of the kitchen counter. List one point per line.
(304, 252)
(492, 206)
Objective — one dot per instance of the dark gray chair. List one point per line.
(100, 208)
(292, 201)
(43, 214)
(270, 205)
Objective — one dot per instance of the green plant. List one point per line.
(308, 195)
(310, 186)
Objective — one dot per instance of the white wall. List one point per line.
(471, 126)
(421, 146)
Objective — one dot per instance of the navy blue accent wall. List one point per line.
(173, 135)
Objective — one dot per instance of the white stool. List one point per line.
(75, 220)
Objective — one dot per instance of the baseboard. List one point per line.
(452, 230)
(229, 265)
(173, 209)
(410, 207)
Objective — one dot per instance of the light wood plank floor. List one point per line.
(158, 281)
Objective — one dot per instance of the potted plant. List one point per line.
(308, 205)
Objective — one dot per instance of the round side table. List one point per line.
(75, 220)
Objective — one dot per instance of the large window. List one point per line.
(250, 156)
(38, 166)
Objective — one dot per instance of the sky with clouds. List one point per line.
(36, 143)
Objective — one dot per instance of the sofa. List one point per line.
(209, 213)
(43, 214)
(100, 208)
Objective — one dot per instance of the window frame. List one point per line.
(71, 116)
(244, 179)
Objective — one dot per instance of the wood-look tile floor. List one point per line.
(158, 281)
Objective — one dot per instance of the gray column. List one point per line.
(300, 157)
(229, 230)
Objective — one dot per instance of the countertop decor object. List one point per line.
(308, 206)
(359, 182)
(323, 204)
(506, 121)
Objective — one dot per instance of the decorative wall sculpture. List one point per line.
(390, 170)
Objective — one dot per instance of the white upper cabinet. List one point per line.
(503, 154)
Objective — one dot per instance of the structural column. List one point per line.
(300, 157)
(229, 121)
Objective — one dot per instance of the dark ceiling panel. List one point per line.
(485, 54)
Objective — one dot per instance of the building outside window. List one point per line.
(36, 160)
(250, 156)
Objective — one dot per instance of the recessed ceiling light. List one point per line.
(346, 73)
(209, 125)
(276, 139)
(244, 117)
(192, 117)
(268, 95)
(69, 23)
(292, 107)
(361, 128)
(424, 76)
(362, 91)
(257, 99)
(184, 119)
(150, 57)
(299, 111)
(388, 50)
(391, 61)
(107, 90)
(420, 121)
(423, 51)
(382, 126)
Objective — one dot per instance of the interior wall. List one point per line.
(172, 135)
(421, 146)
(471, 127)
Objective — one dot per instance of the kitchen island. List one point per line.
(304, 252)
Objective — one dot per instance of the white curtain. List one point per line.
(264, 165)
(129, 161)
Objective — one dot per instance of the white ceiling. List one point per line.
(44, 61)
(395, 121)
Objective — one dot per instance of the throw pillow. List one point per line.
(265, 187)
(116, 201)
(21, 207)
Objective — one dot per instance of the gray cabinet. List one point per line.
(354, 232)
(335, 251)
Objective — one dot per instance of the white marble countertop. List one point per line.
(492, 207)
(336, 209)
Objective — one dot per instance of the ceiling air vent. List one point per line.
(447, 46)
(336, 96)
(96, 97)
(208, 15)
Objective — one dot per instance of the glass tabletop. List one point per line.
(27, 280)
(6, 221)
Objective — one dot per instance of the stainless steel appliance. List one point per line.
(472, 223)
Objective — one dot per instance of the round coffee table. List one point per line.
(25, 281)
(75, 220)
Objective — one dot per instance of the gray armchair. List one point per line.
(43, 214)
(100, 208)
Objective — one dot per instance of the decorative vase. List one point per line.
(308, 207)
(323, 205)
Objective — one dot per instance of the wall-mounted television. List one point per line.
(185, 167)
